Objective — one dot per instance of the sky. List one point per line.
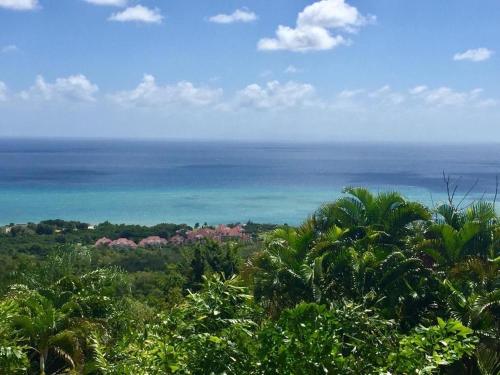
(275, 70)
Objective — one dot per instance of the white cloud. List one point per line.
(380, 92)
(275, 95)
(417, 96)
(445, 96)
(115, 3)
(302, 39)
(239, 15)
(3, 91)
(19, 4)
(137, 13)
(386, 95)
(475, 55)
(486, 103)
(418, 89)
(291, 69)
(313, 28)
(11, 48)
(272, 95)
(73, 88)
(332, 14)
(348, 94)
(149, 94)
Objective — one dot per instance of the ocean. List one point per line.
(149, 182)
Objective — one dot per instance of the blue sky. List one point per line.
(364, 70)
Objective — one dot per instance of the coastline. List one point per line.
(214, 206)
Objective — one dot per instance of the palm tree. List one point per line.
(464, 243)
(279, 281)
(54, 315)
(13, 359)
(331, 265)
(460, 234)
(383, 217)
(347, 249)
(447, 245)
(49, 331)
(364, 253)
(479, 309)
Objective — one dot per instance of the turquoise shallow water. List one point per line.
(182, 206)
(188, 182)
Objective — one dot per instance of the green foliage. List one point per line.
(311, 339)
(427, 350)
(349, 339)
(210, 332)
(210, 257)
(216, 327)
(353, 248)
(13, 358)
(356, 289)
(46, 329)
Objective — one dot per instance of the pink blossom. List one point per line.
(103, 242)
(221, 233)
(123, 243)
(176, 240)
(153, 241)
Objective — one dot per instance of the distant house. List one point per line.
(123, 244)
(120, 243)
(220, 233)
(177, 240)
(6, 229)
(224, 232)
(103, 242)
(200, 234)
(152, 242)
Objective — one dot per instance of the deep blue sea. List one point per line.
(149, 182)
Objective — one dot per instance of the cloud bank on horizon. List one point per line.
(272, 95)
(197, 75)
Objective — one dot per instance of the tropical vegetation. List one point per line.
(368, 284)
